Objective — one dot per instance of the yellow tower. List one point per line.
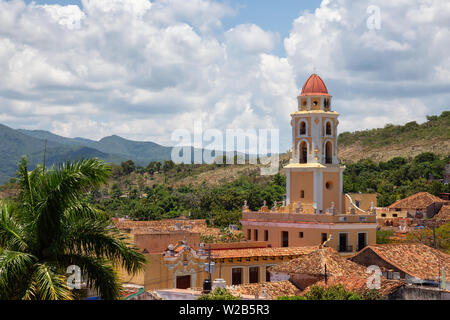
(314, 174)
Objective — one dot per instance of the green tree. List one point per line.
(128, 167)
(316, 292)
(218, 294)
(52, 228)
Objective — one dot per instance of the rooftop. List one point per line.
(271, 290)
(444, 213)
(314, 86)
(314, 263)
(419, 200)
(416, 259)
(261, 252)
(169, 225)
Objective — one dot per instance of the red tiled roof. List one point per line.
(444, 213)
(261, 252)
(415, 259)
(359, 284)
(314, 86)
(314, 264)
(419, 200)
(272, 289)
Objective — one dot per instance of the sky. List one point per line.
(142, 69)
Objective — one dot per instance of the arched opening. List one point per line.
(303, 128)
(328, 129)
(303, 152)
(328, 153)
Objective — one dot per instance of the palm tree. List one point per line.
(53, 227)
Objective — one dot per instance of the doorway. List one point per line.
(183, 282)
(362, 243)
(236, 276)
(253, 275)
(343, 242)
(285, 239)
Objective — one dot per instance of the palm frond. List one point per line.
(62, 187)
(14, 270)
(11, 232)
(100, 238)
(47, 284)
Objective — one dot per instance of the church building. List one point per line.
(314, 211)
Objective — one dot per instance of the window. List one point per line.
(357, 203)
(249, 234)
(267, 274)
(253, 275)
(255, 235)
(324, 237)
(285, 239)
(315, 103)
(328, 129)
(329, 185)
(266, 235)
(236, 276)
(302, 194)
(303, 152)
(395, 215)
(300, 234)
(302, 128)
(328, 153)
(361, 240)
(383, 215)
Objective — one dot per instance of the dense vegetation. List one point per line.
(222, 203)
(392, 180)
(336, 292)
(218, 294)
(437, 127)
(397, 178)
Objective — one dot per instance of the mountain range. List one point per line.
(379, 144)
(15, 143)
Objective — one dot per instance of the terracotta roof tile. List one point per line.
(444, 213)
(272, 289)
(260, 252)
(359, 284)
(314, 264)
(415, 259)
(419, 200)
(168, 225)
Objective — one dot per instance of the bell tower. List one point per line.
(314, 175)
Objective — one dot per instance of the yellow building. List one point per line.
(314, 210)
(182, 266)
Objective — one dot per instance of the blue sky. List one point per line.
(142, 69)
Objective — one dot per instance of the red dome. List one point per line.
(314, 86)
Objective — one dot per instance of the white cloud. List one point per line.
(396, 74)
(141, 69)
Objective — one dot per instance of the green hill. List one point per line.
(392, 141)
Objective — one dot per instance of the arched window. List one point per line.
(328, 153)
(303, 152)
(328, 129)
(303, 128)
